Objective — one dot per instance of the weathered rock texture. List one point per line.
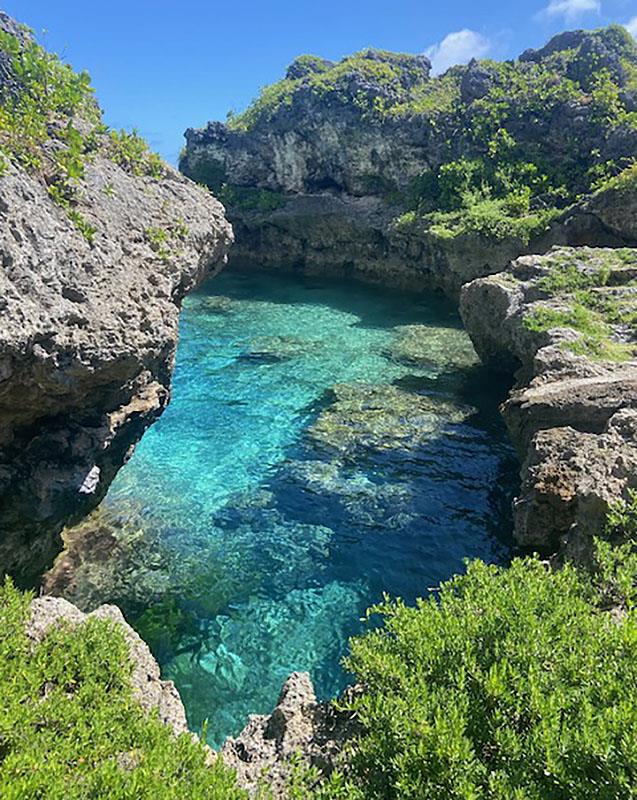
(572, 417)
(148, 689)
(88, 333)
(298, 728)
(347, 147)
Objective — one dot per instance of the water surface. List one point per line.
(257, 525)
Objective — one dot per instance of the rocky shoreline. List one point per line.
(92, 285)
(572, 414)
(94, 272)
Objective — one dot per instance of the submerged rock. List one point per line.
(380, 417)
(425, 346)
(276, 348)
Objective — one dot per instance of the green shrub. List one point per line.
(43, 100)
(492, 220)
(43, 92)
(247, 198)
(511, 684)
(70, 729)
(131, 152)
(595, 339)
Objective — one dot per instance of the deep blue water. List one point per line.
(268, 543)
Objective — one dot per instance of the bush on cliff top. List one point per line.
(492, 125)
(511, 684)
(42, 101)
(70, 728)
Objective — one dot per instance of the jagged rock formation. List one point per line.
(317, 173)
(298, 728)
(567, 321)
(93, 270)
(148, 689)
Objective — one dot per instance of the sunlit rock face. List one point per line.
(566, 320)
(89, 301)
(318, 172)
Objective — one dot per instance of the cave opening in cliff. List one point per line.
(326, 442)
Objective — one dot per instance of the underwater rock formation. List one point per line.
(380, 417)
(567, 321)
(94, 269)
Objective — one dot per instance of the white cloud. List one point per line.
(631, 27)
(457, 48)
(571, 9)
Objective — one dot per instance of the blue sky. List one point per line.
(163, 66)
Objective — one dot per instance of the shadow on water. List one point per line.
(265, 511)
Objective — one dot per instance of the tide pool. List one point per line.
(266, 510)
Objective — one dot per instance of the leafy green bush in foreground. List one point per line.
(511, 684)
(70, 728)
(515, 684)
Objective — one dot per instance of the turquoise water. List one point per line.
(263, 514)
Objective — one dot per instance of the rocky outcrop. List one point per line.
(566, 321)
(149, 690)
(300, 732)
(88, 339)
(360, 238)
(90, 291)
(346, 148)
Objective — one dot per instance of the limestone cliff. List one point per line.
(371, 167)
(566, 320)
(99, 243)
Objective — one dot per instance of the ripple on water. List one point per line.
(267, 509)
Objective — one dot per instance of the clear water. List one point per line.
(250, 548)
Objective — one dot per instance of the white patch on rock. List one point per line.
(91, 481)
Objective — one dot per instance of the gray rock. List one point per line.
(299, 727)
(570, 480)
(148, 689)
(88, 338)
(572, 417)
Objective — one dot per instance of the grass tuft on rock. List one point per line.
(70, 728)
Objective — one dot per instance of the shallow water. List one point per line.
(256, 536)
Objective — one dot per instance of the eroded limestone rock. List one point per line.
(299, 727)
(572, 413)
(88, 337)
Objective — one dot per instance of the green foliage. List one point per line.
(164, 240)
(511, 684)
(595, 339)
(624, 181)
(576, 285)
(131, 152)
(71, 730)
(496, 220)
(158, 238)
(247, 198)
(616, 565)
(375, 82)
(42, 93)
(42, 100)
(80, 222)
